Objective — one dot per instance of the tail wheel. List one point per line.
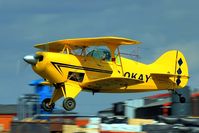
(181, 98)
(46, 106)
(69, 104)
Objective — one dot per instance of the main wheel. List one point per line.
(69, 104)
(46, 106)
(182, 99)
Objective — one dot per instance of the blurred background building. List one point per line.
(151, 107)
(147, 110)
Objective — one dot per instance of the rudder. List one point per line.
(173, 64)
(181, 69)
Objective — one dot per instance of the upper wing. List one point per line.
(110, 83)
(58, 46)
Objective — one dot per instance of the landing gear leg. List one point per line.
(69, 104)
(181, 98)
(47, 106)
(69, 91)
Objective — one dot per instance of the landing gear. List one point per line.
(181, 98)
(46, 106)
(69, 104)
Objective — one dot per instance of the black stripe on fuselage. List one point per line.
(59, 65)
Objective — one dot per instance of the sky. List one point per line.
(159, 25)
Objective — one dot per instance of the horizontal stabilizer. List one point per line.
(162, 75)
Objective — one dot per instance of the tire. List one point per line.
(69, 104)
(45, 105)
(182, 99)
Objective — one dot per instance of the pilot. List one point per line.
(106, 56)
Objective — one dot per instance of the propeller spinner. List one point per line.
(33, 59)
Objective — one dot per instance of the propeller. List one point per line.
(33, 59)
(20, 66)
(30, 59)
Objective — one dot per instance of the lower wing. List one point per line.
(109, 83)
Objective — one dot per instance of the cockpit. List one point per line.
(101, 54)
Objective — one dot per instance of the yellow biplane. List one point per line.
(70, 67)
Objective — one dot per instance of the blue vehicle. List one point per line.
(42, 90)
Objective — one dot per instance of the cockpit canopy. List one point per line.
(102, 54)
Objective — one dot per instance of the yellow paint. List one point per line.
(120, 76)
(72, 89)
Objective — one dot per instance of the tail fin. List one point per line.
(173, 65)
